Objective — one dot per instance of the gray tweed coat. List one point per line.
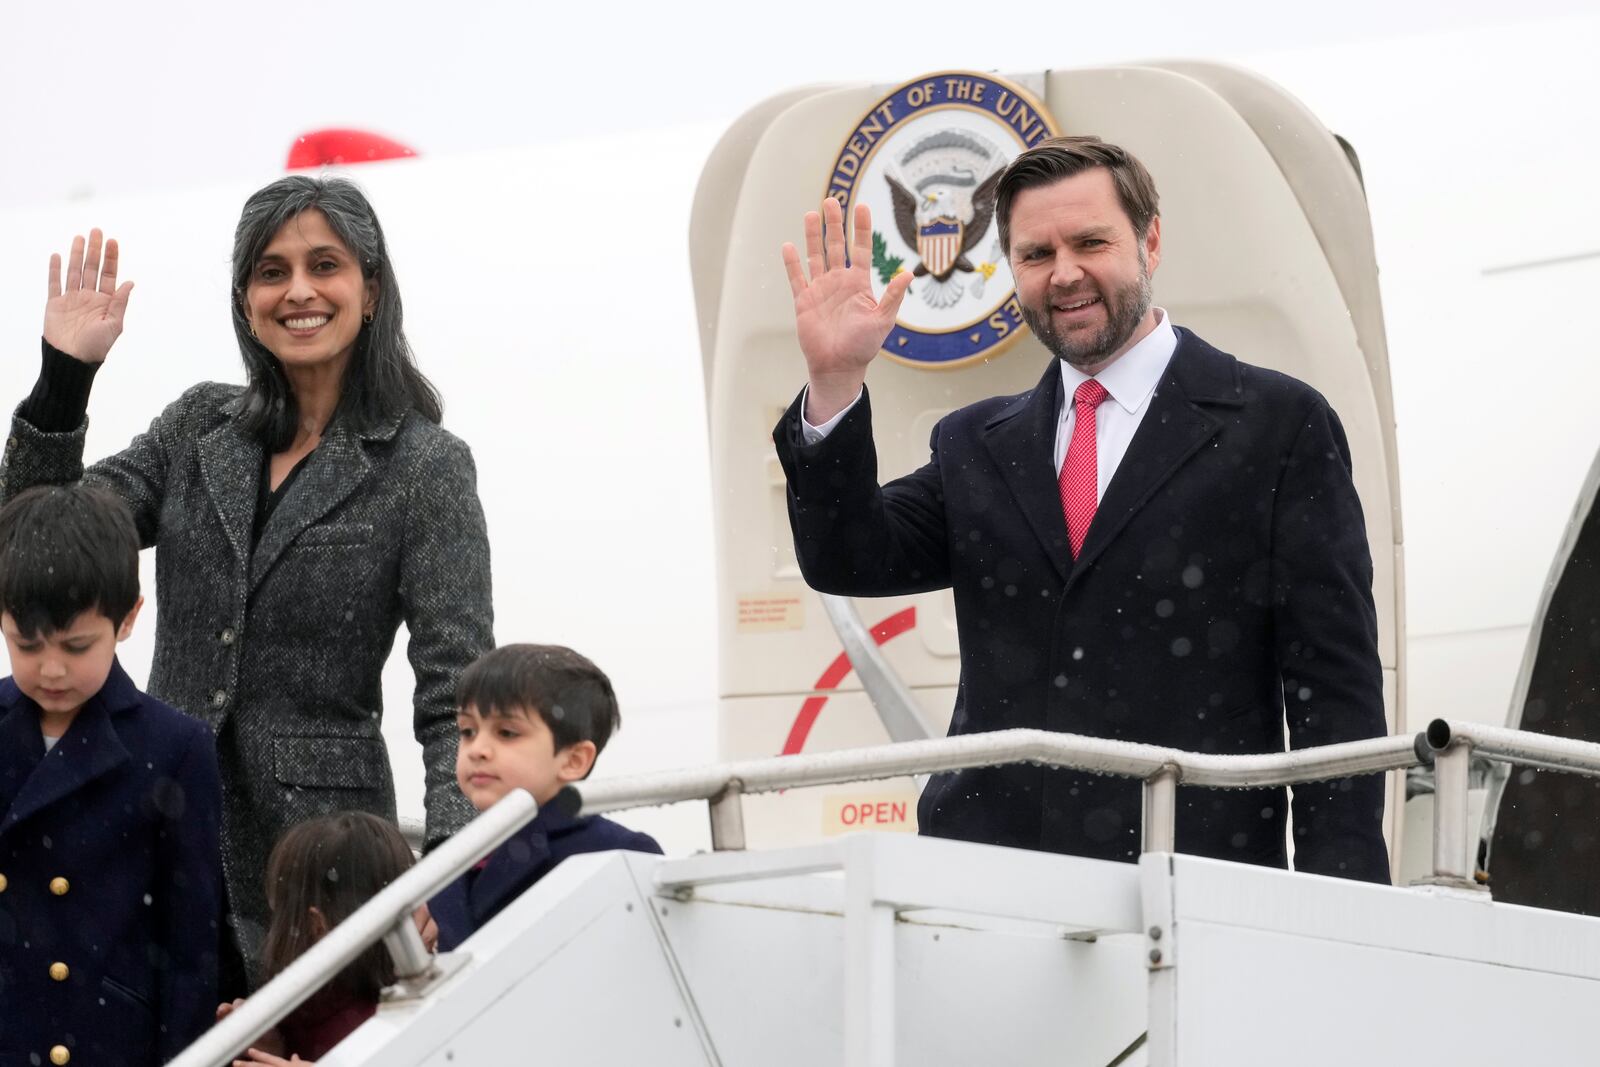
(280, 648)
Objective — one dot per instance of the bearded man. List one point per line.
(1157, 543)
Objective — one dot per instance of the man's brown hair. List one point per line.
(1056, 158)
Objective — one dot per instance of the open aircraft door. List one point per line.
(1540, 838)
(1267, 253)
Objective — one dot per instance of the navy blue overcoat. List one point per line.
(110, 881)
(1223, 591)
(527, 856)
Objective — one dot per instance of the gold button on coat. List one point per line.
(60, 1055)
(2, 883)
(58, 971)
(59, 886)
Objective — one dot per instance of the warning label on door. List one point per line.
(772, 611)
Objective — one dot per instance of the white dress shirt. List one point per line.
(1131, 381)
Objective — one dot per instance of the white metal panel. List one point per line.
(915, 873)
(770, 985)
(969, 997)
(573, 972)
(1004, 882)
(1420, 921)
(1277, 967)
(1252, 997)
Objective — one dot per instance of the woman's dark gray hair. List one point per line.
(382, 378)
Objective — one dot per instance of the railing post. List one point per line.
(411, 957)
(727, 818)
(1452, 860)
(1161, 809)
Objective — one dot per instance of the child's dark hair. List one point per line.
(66, 549)
(566, 690)
(334, 863)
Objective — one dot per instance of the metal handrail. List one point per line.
(1520, 747)
(1449, 747)
(385, 917)
(723, 782)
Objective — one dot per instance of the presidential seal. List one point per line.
(927, 160)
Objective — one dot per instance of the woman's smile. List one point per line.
(305, 325)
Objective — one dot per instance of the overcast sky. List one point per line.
(110, 98)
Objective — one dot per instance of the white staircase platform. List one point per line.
(885, 949)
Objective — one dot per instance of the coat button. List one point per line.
(60, 1056)
(2, 883)
(226, 636)
(218, 699)
(59, 972)
(59, 886)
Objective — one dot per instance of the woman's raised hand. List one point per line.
(85, 319)
(840, 324)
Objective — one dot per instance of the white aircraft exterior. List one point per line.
(549, 297)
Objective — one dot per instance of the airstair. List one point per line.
(878, 949)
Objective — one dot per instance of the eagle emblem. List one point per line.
(927, 158)
(943, 192)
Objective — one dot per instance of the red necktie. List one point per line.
(1080, 475)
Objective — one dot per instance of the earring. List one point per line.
(253, 331)
(367, 318)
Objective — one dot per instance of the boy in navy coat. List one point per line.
(531, 717)
(110, 870)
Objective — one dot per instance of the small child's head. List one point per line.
(532, 717)
(69, 591)
(319, 873)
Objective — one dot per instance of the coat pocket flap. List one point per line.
(329, 762)
(335, 533)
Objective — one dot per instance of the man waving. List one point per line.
(1157, 543)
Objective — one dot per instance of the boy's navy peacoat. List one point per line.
(466, 904)
(110, 881)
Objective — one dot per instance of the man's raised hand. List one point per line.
(84, 319)
(840, 324)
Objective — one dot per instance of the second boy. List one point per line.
(531, 717)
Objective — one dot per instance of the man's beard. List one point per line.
(1125, 309)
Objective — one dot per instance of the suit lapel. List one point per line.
(230, 464)
(89, 749)
(1022, 441)
(336, 467)
(1172, 430)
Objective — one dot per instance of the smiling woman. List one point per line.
(297, 522)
